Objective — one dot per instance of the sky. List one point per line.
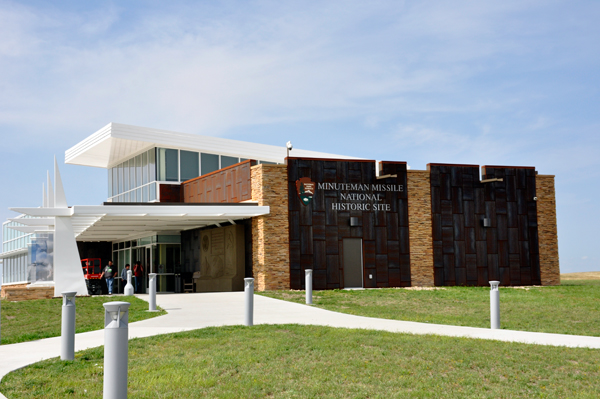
(466, 82)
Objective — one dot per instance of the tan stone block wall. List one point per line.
(547, 230)
(4, 287)
(24, 292)
(419, 227)
(270, 233)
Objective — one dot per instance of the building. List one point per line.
(206, 212)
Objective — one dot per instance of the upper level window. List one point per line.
(210, 163)
(168, 164)
(190, 165)
(228, 161)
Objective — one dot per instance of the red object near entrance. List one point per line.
(92, 269)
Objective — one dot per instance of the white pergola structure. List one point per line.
(114, 223)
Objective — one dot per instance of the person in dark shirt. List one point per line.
(109, 275)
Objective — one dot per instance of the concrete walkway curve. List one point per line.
(193, 311)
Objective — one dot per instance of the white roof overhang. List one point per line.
(122, 222)
(116, 142)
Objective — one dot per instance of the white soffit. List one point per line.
(121, 222)
(117, 142)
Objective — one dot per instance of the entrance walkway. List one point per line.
(193, 311)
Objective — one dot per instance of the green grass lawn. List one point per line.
(291, 361)
(572, 308)
(37, 319)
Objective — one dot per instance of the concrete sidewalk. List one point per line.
(193, 311)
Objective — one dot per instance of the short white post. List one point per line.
(152, 292)
(128, 287)
(308, 283)
(249, 306)
(116, 331)
(67, 330)
(494, 305)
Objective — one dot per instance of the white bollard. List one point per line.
(308, 283)
(152, 292)
(67, 330)
(116, 331)
(494, 305)
(129, 287)
(249, 306)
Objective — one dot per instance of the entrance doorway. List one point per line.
(353, 262)
(160, 254)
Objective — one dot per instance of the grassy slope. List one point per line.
(573, 308)
(308, 361)
(31, 320)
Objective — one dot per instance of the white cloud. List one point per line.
(207, 70)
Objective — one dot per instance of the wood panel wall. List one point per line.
(231, 184)
(317, 231)
(466, 252)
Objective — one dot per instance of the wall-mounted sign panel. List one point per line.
(323, 197)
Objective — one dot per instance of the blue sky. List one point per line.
(478, 82)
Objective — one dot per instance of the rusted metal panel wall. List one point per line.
(231, 184)
(317, 230)
(466, 252)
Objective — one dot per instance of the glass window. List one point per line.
(210, 163)
(168, 164)
(144, 168)
(190, 166)
(268, 163)
(115, 181)
(120, 177)
(138, 170)
(131, 166)
(132, 196)
(169, 239)
(152, 193)
(151, 165)
(110, 183)
(145, 194)
(138, 195)
(228, 161)
(126, 186)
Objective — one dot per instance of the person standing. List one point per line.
(124, 276)
(138, 271)
(109, 275)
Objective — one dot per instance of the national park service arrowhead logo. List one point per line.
(306, 189)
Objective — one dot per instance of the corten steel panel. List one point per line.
(465, 252)
(231, 184)
(317, 229)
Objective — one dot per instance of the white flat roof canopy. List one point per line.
(116, 142)
(121, 222)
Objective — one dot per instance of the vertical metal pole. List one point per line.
(116, 330)
(67, 330)
(494, 305)
(308, 283)
(152, 292)
(249, 307)
(129, 287)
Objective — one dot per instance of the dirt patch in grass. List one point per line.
(581, 276)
